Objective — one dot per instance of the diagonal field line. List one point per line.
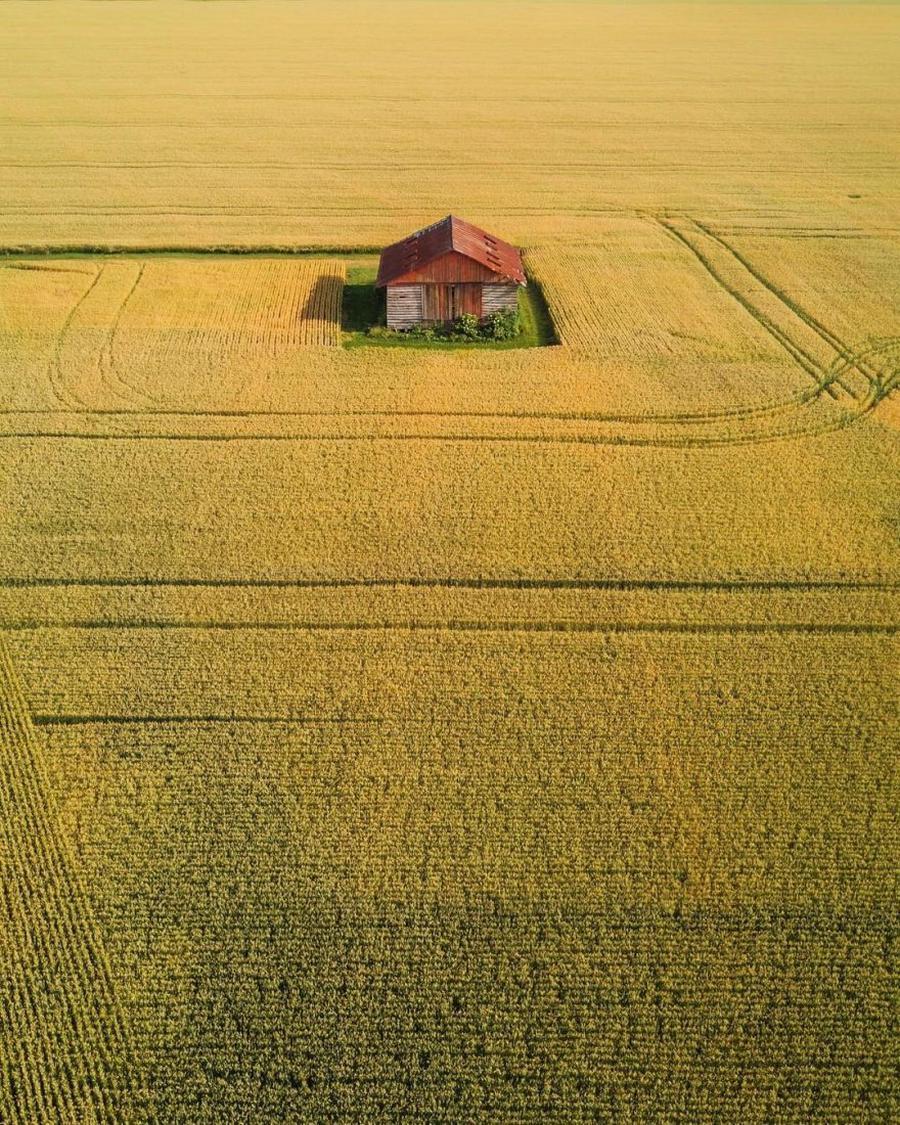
(833, 341)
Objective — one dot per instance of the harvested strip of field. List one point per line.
(67, 1054)
(653, 312)
(218, 333)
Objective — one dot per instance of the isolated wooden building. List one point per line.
(447, 269)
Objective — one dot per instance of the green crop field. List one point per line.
(449, 733)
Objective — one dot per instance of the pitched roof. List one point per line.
(451, 233)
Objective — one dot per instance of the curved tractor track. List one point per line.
(847, 382)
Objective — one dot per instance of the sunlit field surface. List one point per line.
(400, 734)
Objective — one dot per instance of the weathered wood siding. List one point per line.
(437, 303)
(449, 267)
(404, 305)
(447, 302)
(497, 297)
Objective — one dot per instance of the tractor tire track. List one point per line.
(108, 366)
(674, 585)
(674, 442)
(55, 368)
(452, 625)
(883, 382)
(851, 360)
(704, 417)
(807, 362)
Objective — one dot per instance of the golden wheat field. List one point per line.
(448, 734)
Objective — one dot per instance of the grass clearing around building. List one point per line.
(363, 312)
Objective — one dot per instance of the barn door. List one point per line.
(444, 302)
(434, 308)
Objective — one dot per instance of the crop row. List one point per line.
(67, 1055)
(631, 877)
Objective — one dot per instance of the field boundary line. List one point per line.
(413, 582)
(46, 720)
(114, 250)
(451, 625)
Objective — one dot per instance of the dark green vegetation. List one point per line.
(363, 318)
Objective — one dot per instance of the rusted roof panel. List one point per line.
(424, 246)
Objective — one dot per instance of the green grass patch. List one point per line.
(364, 308)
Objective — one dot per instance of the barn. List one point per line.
(447, 269)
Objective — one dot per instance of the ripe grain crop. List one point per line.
(590, 109)
(712, 343)
(67, 1051)
(97, 333)
(470, 837)
(405, 734)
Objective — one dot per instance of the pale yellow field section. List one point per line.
(670, 334)
(351, 124)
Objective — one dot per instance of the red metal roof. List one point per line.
(424, 246)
